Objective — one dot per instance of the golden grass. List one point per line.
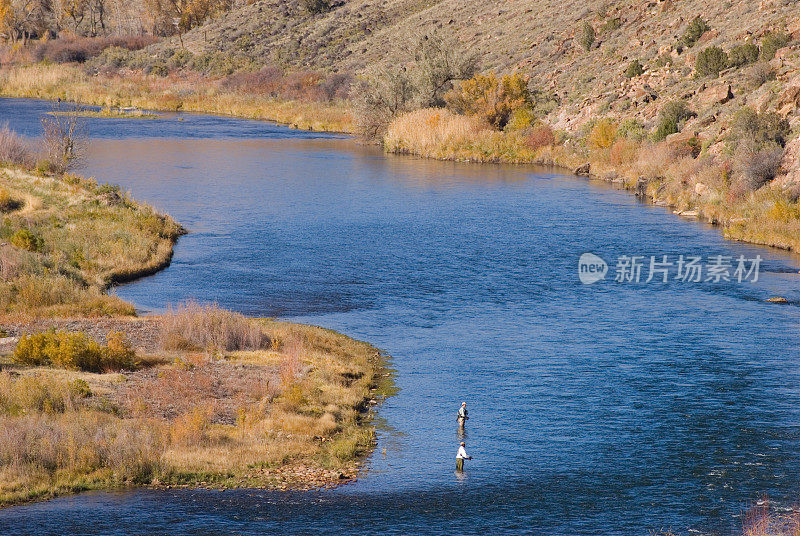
(294, 416)
(195, 94)
(86, 237)
(440, 134)
(108, 113)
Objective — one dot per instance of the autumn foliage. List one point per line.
(490, 98)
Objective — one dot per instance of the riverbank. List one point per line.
(190, 93)
(92, 397)
(66, 239)
(666, 173)
(214, 400)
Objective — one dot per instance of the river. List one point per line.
(603, 409)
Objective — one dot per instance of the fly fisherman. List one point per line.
(461, 455)
(462, 415)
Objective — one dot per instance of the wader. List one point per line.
(459, 464)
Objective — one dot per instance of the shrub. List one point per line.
(195, 326)
(603, 134)
(440, 63)
(75, 351)
(711, 61)
(7, 202)
(760, 130)
(624, 151)
(64, 138)
(28, 240)
(760, 73)
(80, 49)
(693, 32)
(663, 60)
(760, 167)
(316, 6)
(771, 43)
(741, 55)
(633, 129)
(13, 150)
(489, 98)
(336, 86)
(33, 392)
(118, 353)
(611, 25)
(113, 58)
(634, 69)
(587, 36)
(384, 94)
(31, 351)
(521, 119)
(541, 136)
(671, 118)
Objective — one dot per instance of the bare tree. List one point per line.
(440, 63)
(64, 137)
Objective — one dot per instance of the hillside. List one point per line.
(538, 38)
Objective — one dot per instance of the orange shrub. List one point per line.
(624, 151)
(541, 136)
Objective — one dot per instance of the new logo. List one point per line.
(591, 268)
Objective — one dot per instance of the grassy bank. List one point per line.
(667, 173)
(213, 400)
(66, 239)
(93, 398)
(189, 93)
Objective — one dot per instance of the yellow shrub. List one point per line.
(490, 98)
(784, 211)
(118, 353)
(75, 351)
(603, 134)
(30, 350)
(522, 118)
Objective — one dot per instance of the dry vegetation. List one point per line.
(190, 92)
(67, 239)
(287, 409)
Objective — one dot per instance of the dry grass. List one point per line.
(267, 418)
(441, 134)
(762, 521)
(191, 93)
(193, 326)
(81, 238)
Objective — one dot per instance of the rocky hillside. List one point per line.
(538, 37)
(586, 76)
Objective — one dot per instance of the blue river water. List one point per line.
(603, 409)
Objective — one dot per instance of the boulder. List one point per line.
(789, 99)
(790, 165)
(700, 189)
(681, 138)
(783, 52)
(716, 94)
(583, 170)
(794, 29)
(778, 299)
